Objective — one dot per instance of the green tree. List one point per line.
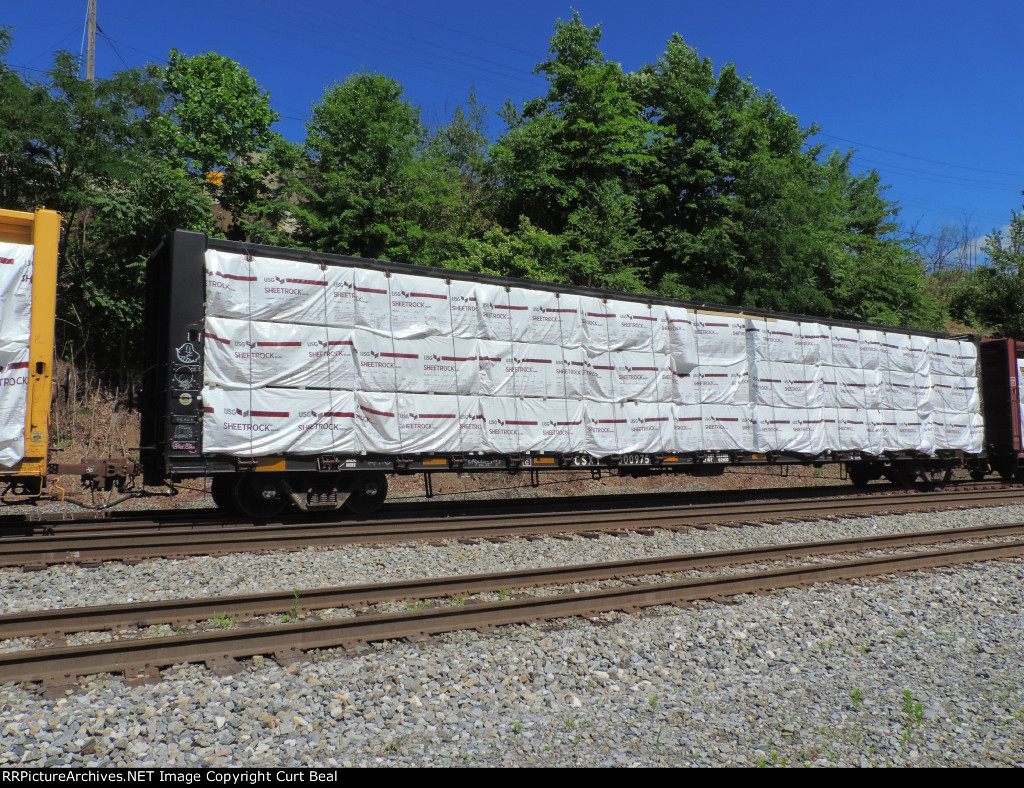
(741, 209)
(454, 188)
(993, 295)
(217, 121)
(569, 162)
(87, 150)
(362, 143)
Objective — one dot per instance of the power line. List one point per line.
(921, 158)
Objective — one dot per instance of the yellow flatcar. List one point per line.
(28, 287)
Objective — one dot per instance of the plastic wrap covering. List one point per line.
(628, 375)
(627, 428)
(13, 403)
(610, 325)
(503, 314)
(265, 289)
(783, 340)
(554, 318)
(922, 349)
(954, 357)
(465, 318)
(373, 302)
(15, 293)
(846, 429)
(535, 370)
(898, 390)
(513, 425)
(253, 422)
(419, 307)
(428, 365)
(955, 394)
(15, 330)
(720, 385)
(871, 347)
(797, 430)
(242, 353)
(787, 385)
(719, 341)
(844, 346)
(850, 388)
(727, 428)
(906, 431)
(682, 341)
(687, 429)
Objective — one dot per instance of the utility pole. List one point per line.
(90, 56)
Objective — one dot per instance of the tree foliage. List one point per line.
(993, 295)
(570, 161)
(217, 124)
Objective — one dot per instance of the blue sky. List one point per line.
(928, 93)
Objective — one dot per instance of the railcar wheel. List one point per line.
(368, 493)
(222, 492)
(258, 496)
(902, 474)
(979, 472)
(861, 473)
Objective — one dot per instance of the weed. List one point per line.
(503, 593)
(296, 610)
(395, 745)
(224, 621)
(858, 698)
(570, 723)
(657, 741)
(901, 633)
(654, 702)
(458, 601)
(517, 727)
(913, 709)
(576, 741)
(285, 618)
(416, 605)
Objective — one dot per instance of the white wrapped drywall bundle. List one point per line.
(251, 353)
(13, 402)
(435, 364)
(253, 422)
(521, 424)
(722, 385)
(727, 428)
(787, 385)
(16, 324)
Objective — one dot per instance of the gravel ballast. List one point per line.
(920, 669)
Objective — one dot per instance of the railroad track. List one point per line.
(141, 658)
(128, 545)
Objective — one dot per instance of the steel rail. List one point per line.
(60, 622)
(142, 657)
(96, 548)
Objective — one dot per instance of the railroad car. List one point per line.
(28, 292)
(293, 378)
